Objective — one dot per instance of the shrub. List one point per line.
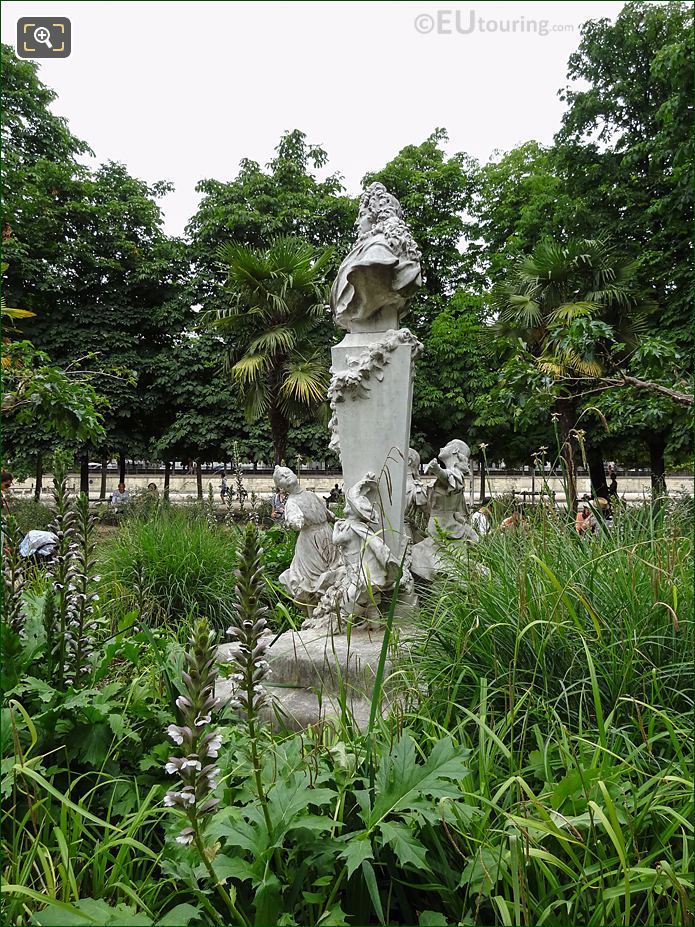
(30, 515)
(178, 563)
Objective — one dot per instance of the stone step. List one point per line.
(310, 670)
(316, 660)
(295, 709)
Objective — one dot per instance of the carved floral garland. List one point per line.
(351, 382)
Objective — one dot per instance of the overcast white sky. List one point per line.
(181, 91)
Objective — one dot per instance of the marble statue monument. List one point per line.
(447, 510)
(372, 380)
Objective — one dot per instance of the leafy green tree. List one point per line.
(571, 308)
(100, 275)
(625, 146)
(642, 403)
(451, 374)
(258, 205)
(276, 310)
(435, 192)
(31, 133)
(205, 418)
(519, 199)
(45, 407)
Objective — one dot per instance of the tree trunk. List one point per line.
(657, 447)
(167, 478)
(39, 478)
(121, 468)
(199, 478)
(279, 427)
(597, 471)
(567, 409)
(84, 474)
(482, 479)
(104, 475)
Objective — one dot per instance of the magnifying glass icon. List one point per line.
(43, 35)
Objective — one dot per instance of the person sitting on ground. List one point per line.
(278, 512)
(480, 520)
(584, 522)
(512, 521)
(7, 480)
(335, 495)
(120, 496)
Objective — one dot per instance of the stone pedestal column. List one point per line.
(372, 417)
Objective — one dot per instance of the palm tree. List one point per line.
(278, 302)
(570, 304)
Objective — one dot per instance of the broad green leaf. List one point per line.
(431, 919)
(268, 901)
(402, 782)
(485, 870)
(289, 800)
(373, 889)
(180, 916)
(405, 844)
(229, 867)
(334, 917)
(356, 851)
(92, 911)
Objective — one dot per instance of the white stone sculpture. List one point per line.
(315, 557)
(447, 510)
(368, 563)
(382, 272)
(415, 490)
(372, 373)
(367, 568)
(353, 382)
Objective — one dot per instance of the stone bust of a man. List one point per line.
(382, 272)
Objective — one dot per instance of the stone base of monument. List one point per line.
(314, 675)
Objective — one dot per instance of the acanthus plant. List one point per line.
(250, 633)
(69, 618)
(199, 746)
(80, 616)
(14, 613)
(14, 578)
(63, 527)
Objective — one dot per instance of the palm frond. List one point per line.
(568, 312)
(250, 368)
(256, 401)
(521, 309)
(305, 381)
(273, 341)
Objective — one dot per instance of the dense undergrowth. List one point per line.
(535, 768)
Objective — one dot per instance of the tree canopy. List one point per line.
(504, 338)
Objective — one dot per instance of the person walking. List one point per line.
(278, 512)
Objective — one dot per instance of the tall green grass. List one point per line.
(535, 766)
(534, 609)
(175, 562)
(565, 665)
